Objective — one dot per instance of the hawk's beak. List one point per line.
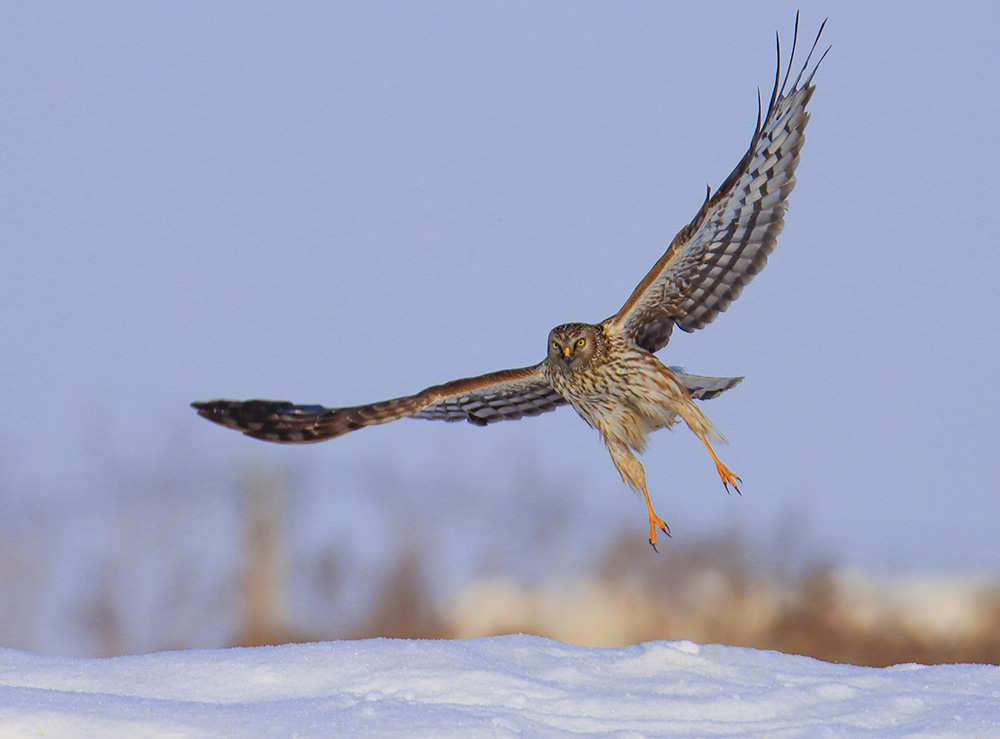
(567, 352)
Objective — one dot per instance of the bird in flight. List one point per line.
(609, 371)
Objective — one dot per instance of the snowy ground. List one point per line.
(500, 686)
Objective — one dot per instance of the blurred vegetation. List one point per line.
(174, 554)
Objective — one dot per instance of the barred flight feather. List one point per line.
(728, 242)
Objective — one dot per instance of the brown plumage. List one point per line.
(607, 371)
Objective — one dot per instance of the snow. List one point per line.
(505, 686)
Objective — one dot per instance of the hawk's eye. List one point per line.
(555, 345)
(581, 342)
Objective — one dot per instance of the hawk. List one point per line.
(608, 371)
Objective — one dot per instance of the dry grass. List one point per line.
(704, 593)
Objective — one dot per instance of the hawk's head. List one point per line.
(574, 346)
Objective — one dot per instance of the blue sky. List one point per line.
(337, 203)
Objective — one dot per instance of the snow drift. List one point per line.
(488, 687)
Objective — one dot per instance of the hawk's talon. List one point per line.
(729, 478)
(735, 486)
(655, 522)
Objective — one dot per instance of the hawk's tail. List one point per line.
(702, 387)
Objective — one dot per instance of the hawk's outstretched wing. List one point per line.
(497, 396)
(728, 241)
